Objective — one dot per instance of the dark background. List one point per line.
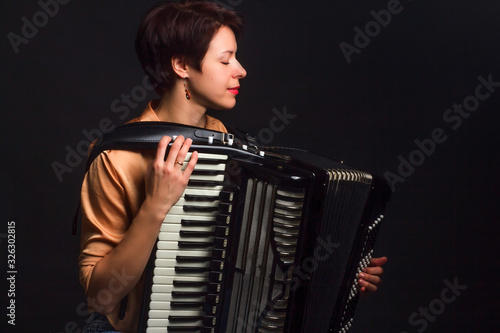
(442, 222)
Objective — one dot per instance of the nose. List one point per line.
(240, 72)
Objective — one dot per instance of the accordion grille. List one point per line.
(263, 265)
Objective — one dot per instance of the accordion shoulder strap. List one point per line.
(146, 135)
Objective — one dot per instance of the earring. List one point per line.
(188, 95)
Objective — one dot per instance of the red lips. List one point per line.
(234, 90)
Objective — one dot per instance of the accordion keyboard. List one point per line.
(190, 252)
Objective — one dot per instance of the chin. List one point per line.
(224, 106)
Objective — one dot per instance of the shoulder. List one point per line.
(215, 124)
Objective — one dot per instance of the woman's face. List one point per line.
(216, 86)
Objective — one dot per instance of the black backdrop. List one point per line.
(63, 80)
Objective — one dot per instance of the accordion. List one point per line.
(262, 239)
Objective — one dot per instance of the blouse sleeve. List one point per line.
(105, 214)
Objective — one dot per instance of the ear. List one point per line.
(180, 67)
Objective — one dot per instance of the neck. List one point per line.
(174, 107)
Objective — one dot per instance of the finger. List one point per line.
(374, 270)
(366, 287)
(162, 148)
(378, 261)
(174, 150)
(192, 162)
(372, 279)
(181, 156)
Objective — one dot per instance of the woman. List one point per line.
(125, 195)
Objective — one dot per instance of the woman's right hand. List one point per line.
(165, 181)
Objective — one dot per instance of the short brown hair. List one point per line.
(180, 30)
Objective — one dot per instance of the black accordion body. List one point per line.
(262, 240)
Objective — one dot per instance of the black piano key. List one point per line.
(192, 259)
(208, 172)
(207, 330)
(204, 183)
(214, 288)
(201, 198)
(181, 304)
(194, 245)
(221, 231)
(217, 266)
(188, 233)
(219, 254)
(182, 319)
(210, 321)
(226, 196)
(225, 208)
(195, 223)
(189, 293)
(211, 309)
(189, 284)
(199, 209)
(191, 270)
(202, 329)
(223, 220)
(215, 276)
(220, 243)
(212, 299)
(183, 329)
(211, 161)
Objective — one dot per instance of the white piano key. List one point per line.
(175, 237)
(210, 167)
(160, 325)
(205, 192)
(197, 203)
(158, 305)
(165, 263)
(176, 218)
(207, 156)
(160, 271)
(161, 289)
(177, 227)
(168, 298)
(169, 280)
(160, 314)
(214, 178)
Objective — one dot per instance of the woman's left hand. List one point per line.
(369, 279)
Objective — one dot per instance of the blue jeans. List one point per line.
(99, 324)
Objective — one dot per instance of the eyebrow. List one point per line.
(228, 51)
